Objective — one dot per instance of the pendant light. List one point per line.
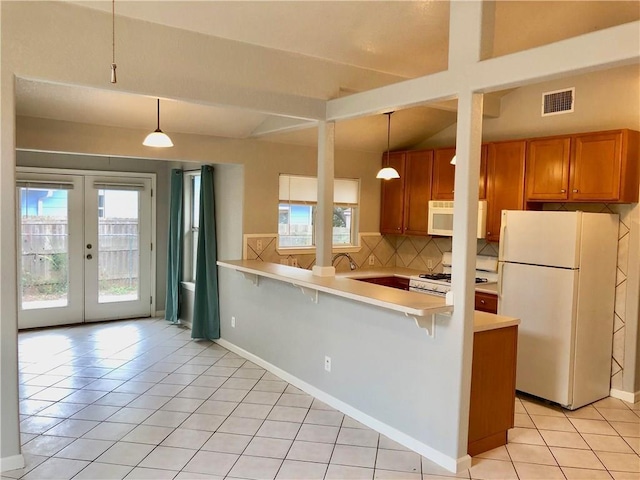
(387, 173)
(158, 138)
(453, 160)
(113, 42)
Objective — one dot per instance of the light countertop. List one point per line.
(483, 321)
(345, 285)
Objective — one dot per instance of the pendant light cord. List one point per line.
(113, 42)
(388, 114)
(113, 31)
(158, 115)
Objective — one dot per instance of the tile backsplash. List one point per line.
(388, 251)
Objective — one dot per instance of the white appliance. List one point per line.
(440, 218)
(440, 283)
(557, 274)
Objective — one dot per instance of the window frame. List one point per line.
(190, 232)
(353, 246)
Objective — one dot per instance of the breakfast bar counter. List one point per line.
(346, 284)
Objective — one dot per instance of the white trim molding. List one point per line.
(628, 397)
(452, 464)
(12, 463)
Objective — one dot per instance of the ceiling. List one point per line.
(374, 36)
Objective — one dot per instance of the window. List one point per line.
(297, 211)
(192, 223)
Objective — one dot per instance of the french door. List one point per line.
(84, 248)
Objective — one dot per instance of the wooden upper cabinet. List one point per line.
(605, 167)
(591, 167)
(443, 174)
(547, 169)
(505, 182)
(417, 191)
(392, 198)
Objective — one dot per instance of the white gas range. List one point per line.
(440, 283)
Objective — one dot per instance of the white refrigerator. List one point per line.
(557, 273)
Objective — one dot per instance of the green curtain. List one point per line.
(174, 248)
(206, 315)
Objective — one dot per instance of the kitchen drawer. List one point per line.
(486, 302)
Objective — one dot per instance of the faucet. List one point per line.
(352, 264)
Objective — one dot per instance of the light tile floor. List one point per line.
(139, 399)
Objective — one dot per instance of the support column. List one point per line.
(324, 210)
(465, 215)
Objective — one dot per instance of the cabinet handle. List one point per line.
(482, 302)
(575, 190)
(563, 191)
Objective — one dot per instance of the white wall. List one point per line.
(382, 364)
(604, 100)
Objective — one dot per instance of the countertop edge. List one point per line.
(410, 303)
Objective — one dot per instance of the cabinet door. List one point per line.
(548, 169)
(417, 191)
(392, 198)
(443, 174)
(505, 183)
(596, 167)
(482, 185)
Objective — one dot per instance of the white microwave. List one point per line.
(441, 218)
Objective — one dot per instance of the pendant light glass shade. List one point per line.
(387, 173)
(158, 138)
(453, 160)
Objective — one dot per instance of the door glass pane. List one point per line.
(44, 239)
(118, 240)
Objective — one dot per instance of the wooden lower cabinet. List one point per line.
(486, 302)
(400, 283)
(493, 388)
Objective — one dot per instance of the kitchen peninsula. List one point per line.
(383, 370)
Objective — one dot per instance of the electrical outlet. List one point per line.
(294, 262)
(327, 363)
(259, 245)
(372, 260)
(429, 264)
(233, 322)
(284, 261)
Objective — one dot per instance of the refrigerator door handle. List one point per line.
(500, 271)
(503, 232)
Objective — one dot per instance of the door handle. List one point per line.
(89, 256)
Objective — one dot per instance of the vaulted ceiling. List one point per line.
(377, 42)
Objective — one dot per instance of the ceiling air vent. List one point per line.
(557, 102)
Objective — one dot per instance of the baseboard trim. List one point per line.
(629, 397)
(11, 463)
(159, 313)
(450, 463)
